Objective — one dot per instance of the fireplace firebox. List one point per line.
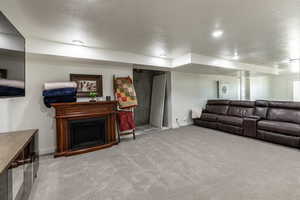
(86, 133)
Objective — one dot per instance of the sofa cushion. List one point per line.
(206, 124)
(241, 108)
(235, 121)
(217, 109)
(261, 112)
(229, 128)
(240, 111)
(279, 138)
(218, 102)
(284, 115)
(285, 104)
(209, 117)
(261, 103)
(280, 127)
(249, 104)
(261, 108)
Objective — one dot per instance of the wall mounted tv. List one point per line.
(12, 60)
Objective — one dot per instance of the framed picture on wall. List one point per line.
(87, 84)
(223, 90)
(3, 74)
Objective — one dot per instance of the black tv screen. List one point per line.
(12, 60)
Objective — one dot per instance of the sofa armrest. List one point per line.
(254, 117)
(250, 126)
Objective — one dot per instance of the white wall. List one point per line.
(29, 112)
(260, 88)
(192, 91)
(282, 87)
(4, 115)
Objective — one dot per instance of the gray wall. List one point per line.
(14, 64)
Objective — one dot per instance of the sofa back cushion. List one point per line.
(217, 106)
(241, 108)
(284, 111)
(261, 108)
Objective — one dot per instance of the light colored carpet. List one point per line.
(189, 163)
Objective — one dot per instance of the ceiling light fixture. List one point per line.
(78, 42)
(217, 33)
(236, 56)
(293, 59)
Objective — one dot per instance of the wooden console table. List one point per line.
(66, 112)
(19, 163)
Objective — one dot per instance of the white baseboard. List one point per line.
(182, 125)
(46, 151)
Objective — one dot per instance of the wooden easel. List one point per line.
(131, 132)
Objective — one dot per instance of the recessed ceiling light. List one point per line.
(217, 33)
(236, 56)
(78, 42)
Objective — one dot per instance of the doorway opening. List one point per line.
(153, 93)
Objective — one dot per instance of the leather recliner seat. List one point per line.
(282, 124)
(214, 109)
(226, 115)
(273, 121)
(233, 121)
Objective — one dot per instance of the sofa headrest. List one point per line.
(261, 103)
(242, 103)
(285, 104)
(218, 102)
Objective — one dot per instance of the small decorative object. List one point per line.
(93, 96)
(3, 73)
(108, 98)
(87, 84)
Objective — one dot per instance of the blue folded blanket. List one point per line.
(11, 91)
(60, 92)
(64, 99)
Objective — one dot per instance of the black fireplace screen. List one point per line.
(87, 133)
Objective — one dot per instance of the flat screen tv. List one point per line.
(12, 60)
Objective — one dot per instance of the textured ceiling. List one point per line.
(262, 32)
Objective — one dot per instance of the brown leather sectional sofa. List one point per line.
(273, 121)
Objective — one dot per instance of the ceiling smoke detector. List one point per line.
(78, 42)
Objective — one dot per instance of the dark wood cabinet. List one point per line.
(20, 165)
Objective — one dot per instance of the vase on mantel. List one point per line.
(93, 96)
